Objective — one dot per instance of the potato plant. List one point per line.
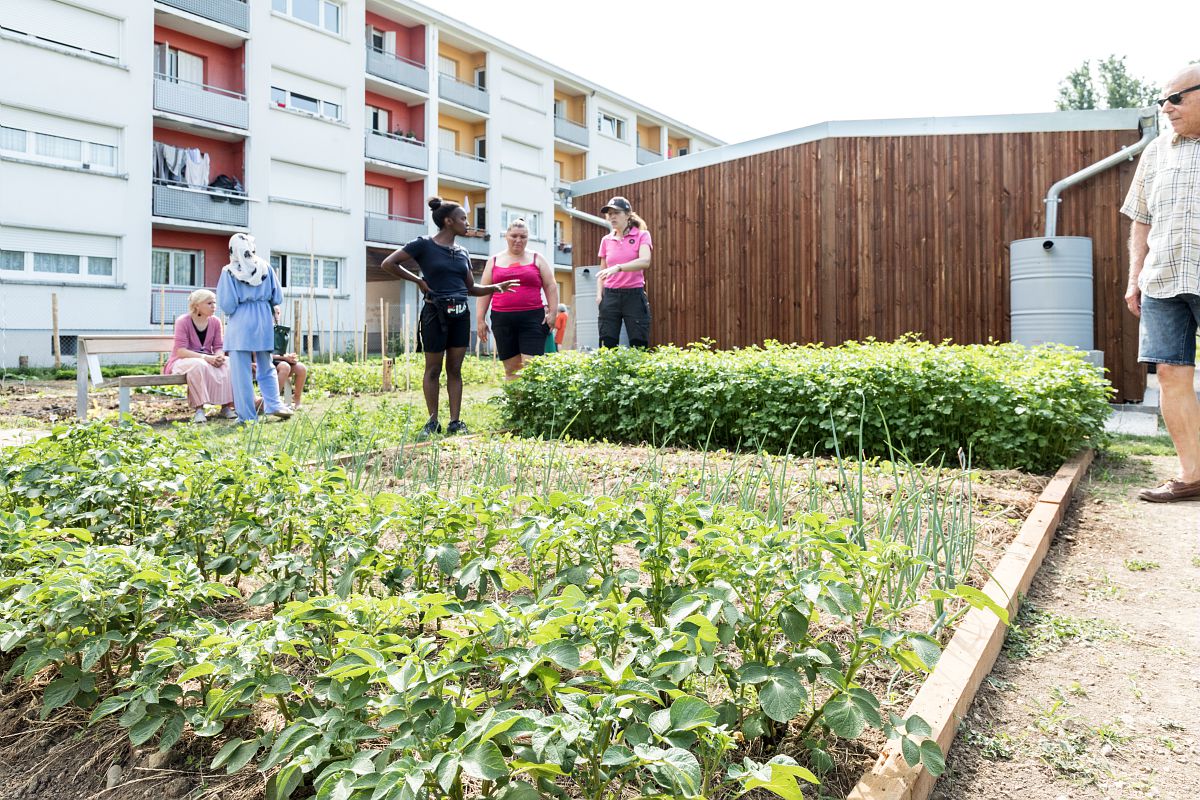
(491, 645)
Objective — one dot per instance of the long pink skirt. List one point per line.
(207, 385)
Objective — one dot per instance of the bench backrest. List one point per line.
(90, 347)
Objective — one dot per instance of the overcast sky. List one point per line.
(740, 70)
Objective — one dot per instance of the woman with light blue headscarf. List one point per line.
(248, 293)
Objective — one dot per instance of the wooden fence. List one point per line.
(848, 238)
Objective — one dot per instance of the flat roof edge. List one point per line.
(1046, 122)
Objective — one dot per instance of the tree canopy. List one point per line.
(1108, 84)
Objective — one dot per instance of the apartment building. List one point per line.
(136, 137)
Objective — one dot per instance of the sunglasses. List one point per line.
(1176, 98)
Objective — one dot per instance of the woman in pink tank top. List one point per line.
(522, 317)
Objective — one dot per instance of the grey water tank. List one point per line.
(1050, 288)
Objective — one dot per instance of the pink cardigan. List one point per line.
(185, 336)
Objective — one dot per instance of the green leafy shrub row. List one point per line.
(349, 377)
(1008, 406)
(490, 645)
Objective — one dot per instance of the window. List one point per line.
(58, 149)
(176, 267)
(683, 151)
(611, 126)
(65, 24)
(12, 261)
(377, 119)
(318, 13)
(560, 109)
(378, 200)
(532, 218)
(481, 148)
(481, 217)
(175, 65)
(448, 139)
(296, 271)
(376, 39)
(448, 66)
(306, 104)
(481, 78)
(57, 255)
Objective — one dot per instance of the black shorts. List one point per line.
(519, 332)
(440, 332)
(624, 305)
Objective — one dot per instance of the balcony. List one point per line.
(397, 150)
(476, 246)
(168, 302)
(392, 229)
(464, 94)
(645, 156)
(570, 131)
(234, 13)
(562, 255)
(201, 205)
(397, 69)
(463, 165)
(201, 101)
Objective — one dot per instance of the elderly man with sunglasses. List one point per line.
(1164, 273)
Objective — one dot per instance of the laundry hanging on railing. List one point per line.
(181, 165)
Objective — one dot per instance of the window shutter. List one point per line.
(191, 68)
(389, 42)
(64, 24)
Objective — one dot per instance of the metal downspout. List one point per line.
(565, 204)
(1149, 125)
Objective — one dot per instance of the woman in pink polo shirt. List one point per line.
(621, 282)
(520, 321)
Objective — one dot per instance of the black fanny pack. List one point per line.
(453, 307)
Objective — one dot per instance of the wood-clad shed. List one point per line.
(849, 230)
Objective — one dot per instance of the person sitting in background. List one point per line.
(287, 365)
(200, 355)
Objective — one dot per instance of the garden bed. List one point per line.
(512, 530)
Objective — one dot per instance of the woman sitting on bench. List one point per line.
(200, 355)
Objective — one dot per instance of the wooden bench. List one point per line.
(88, 352)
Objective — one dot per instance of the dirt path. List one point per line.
(1096, 692)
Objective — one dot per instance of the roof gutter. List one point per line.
(564, 202)
(1149, 126)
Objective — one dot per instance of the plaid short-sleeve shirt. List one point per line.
(1166, 196)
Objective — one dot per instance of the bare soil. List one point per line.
(1096, 691)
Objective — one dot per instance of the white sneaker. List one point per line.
(283, 413)
(199, 419)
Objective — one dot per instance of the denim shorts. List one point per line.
(1167, 334)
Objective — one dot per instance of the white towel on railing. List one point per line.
(195, 170)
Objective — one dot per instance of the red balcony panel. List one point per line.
(224, 67)
(407, 198)
(403, 118)
(410, 41)
(214, 246)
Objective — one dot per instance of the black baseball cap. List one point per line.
(618, 204)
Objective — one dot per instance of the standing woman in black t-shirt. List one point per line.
(446, 281)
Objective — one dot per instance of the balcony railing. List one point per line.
(645, 156)
(234, 13)
(168, 302)
(201, 101)
(465, 94)
(562, 254)
(570, 131)
(392, 229)
(397, 150)
(463, 165)
(475, 246)
(200, 205)
(397, 69)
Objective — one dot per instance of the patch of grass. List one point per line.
(991, 744)
(1104, 588)
(1036, 633)
(1124, 445)
(1138, 565)
(1196, 561)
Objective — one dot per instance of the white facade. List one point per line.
(332, 114)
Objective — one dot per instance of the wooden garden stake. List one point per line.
(54, 319)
